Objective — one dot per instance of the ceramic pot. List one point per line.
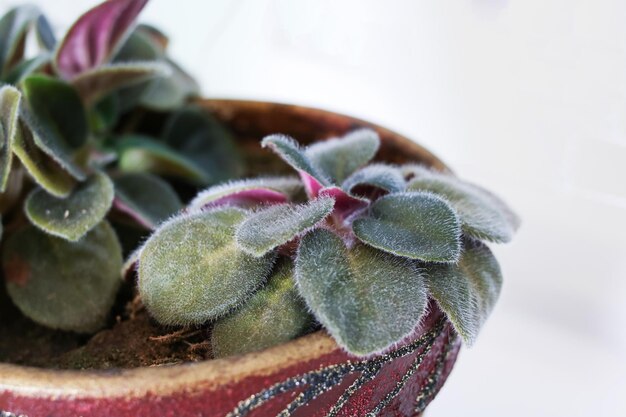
(310, 376)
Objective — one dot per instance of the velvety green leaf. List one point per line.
(201, 138)
(61, 284)
(276, 225)
(414, 225)
(44, 170)
(467, 292)
(156, 36)
(13, 30)
(273, 315)
(9, 107)
(27, 67)
(248, 193)
(104, 114)
(384, 177)
(171, 92)
(95, 37)
(366, 299)
(45, 34)
(338, 158)
(146, 198)
(191, 270)
(139, 46)
(73, 216)
(94, 84)
(483, 215)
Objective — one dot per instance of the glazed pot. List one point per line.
(310, 376)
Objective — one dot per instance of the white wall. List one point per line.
(525, 97)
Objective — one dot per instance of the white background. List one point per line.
(527, 98)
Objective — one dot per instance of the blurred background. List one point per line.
(527, 98)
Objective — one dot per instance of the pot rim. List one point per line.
(168, 379)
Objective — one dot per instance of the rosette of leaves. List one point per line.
(362, 246)
(77, 155)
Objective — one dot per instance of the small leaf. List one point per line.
(414, 225)
(140, 46)
(45, 34)
(366, 299)
(92, 85)
(146, 198)
(13, 30)
(191, 270)
(276, 225)
(287, 148)
(73, 216)
(96, 36)
(27, 67)
(467, 292)
(248, 193)
(338, 158)
(104, 114)
(483, 215)
(9, 106)
(171, 92)
(273, 315)
(345, 204)
(384, 177)
(60, 284)
(44, 170)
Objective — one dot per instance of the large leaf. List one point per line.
(171, 92)
(96, 36)
(61, 284)
(366, 299)
(483, 215)
(273, 315)
(92, 85)
(44, 170)
(75, 215)
(191, 270)
(378, 176)
(338, 158)
(467, 292)
(414, 225)
(248, 193)
(146, 198)
(9, 107)
(276, 225)
(13, 30)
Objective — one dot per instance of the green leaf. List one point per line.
(483, 215)
(368, 300)
(60, 284)
(384, 177)
(44, 170)
(467, 292)
(104, 115)
(13, 30)
(45, 34)
(171, 92)
(273, 315)
(146, 198)
(414, 225)
(9, 107)
(92, 85)
(27, 67)
(191, 270)
(75, 215)
(248, 193)
(276, 225)
(338, 158)
(139, 47)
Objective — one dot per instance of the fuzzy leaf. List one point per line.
(94, 84)
(27, 67)
(345, 204)
(191, 270)
(129, 267)
(61, 284)
(338, 158)
(73, 216)
(365, 298)
(248, 193)
(96, 36)
(140, 46)
(13, 30)
(44, 170)
(276, 225)
(171, 92)
(146, 198)
(45, 34)
(467, 292)
(414, 225)
(483, 215)
(9, 106)
(273, 315)
(104, 115)
(384, 177)
(287, 148)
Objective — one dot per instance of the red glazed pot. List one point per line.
(310, 376)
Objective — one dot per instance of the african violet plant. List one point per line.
(71, 116)
(357, 248)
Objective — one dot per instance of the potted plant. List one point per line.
(345, 290)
